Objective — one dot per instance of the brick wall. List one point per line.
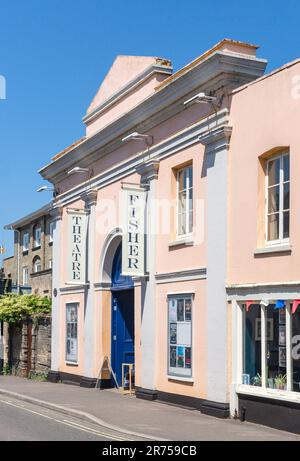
(27, 347)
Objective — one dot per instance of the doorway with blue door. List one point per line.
(122, 324)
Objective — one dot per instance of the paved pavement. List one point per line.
(136, 418)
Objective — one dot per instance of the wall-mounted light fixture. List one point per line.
(139, 137)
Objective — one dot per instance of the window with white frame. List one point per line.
(37, 264)
(185, 201)
(271, 346)
(51, 230)
(25, 241)
(180, 336)
(72, 332)
(50, 263)
(37, 237)
(25, 276)
(278, 199)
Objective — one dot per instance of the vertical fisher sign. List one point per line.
(133, 247)
(77, 241)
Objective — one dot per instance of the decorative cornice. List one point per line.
(56, 212)
(259, 291)
(218, 70)
(148, 170)
(89, 197)
(182, 276)
(70, 289)
(217, 137)
(180, 140)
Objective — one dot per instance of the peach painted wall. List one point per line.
(264, 116)
(183, 257)
(199, 351)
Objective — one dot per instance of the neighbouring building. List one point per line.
(154, 163)
(30, 268)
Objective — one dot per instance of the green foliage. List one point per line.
(6, 370)
(14, 308)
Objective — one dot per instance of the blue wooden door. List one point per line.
(122, 325)
(122, 330)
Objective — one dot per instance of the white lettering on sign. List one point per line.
(77, 247)
(133, 254)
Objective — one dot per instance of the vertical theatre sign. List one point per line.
(77, 233)
(133, 248)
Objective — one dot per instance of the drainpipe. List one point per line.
(18, 261)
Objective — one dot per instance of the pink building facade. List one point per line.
(175, 235)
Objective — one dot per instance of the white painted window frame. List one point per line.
(189, 208)
(25, 275)
(37, 243)
(174, 375)
(281, 240)
(51, 230)
(24, 246)
(264, 391)
(37, 263)
(74, 303)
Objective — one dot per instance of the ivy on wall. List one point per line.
(14, 308)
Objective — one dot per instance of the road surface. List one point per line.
(21, 421)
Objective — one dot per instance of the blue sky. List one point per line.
(54, 55)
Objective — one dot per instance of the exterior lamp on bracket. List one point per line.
(49, 189)
(135, 136)
(202, 98)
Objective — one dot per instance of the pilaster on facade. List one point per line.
(149, 174)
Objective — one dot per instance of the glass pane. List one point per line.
(273, 199)
(182, 199)
(191, 222)
(286, 167)
(273, 227)
(274, 172)
(191, 176)
(286, 196)
(276, 348)
(182, 224)
(286, 224)
(180, 181)
(252, 347)
(296, 351)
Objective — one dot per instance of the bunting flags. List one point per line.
(296, 304)
(249, 304)
(280, 304)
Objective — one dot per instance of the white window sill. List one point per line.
(286, 396)
(281, 248)
(186, 241)
(181, 379)
(72, 364)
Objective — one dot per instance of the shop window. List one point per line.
(252, 346)
(271, 345)
(180, 336)
(296, 352)
(72, 333)
(278, 199)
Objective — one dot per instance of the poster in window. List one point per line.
(188, 310)
(282, 317)
(173, 356)
(180, 310)
(270, 330)
(173, 310)
(282, 337)
(184, 334)
(173, 333)
(180, 357)
(282, 357)
(188, 361)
